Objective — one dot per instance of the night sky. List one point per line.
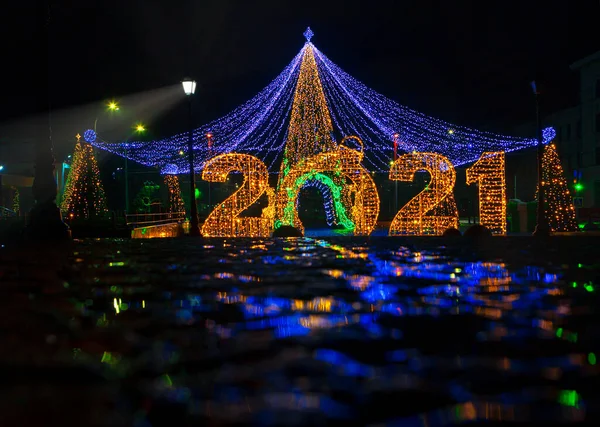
(466, 62)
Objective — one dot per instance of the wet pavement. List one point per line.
(278, 332)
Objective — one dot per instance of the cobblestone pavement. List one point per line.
(348, 331)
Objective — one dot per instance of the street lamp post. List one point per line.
(111, 106)
(189, 87)
(209, 137)
(541, 229)
(396, 136)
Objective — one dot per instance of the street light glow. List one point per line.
(113, 106)
(189, 86)
(140, 128)
(1, 167)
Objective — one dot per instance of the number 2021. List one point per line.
(430, 212)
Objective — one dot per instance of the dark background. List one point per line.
(466, 62)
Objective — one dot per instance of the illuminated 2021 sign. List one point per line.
(431, 212)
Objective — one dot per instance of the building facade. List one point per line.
(586, 158)
(577, 136)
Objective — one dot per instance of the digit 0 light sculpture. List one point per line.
(224, 220)
(416, 217)
(489, 173)
(343, 162)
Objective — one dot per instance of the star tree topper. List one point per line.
(308, 34)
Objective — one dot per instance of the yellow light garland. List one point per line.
(559, 209)
(310, 126)
(223, 221)
(489, 173)
(413, 218)
(175, 204)
(84, 195)
(343, 162)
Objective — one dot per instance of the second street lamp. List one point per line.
(189, 87)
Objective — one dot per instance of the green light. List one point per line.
(574, 284)
(578, 186)
(579, 265)
(568, 398)
(592, 358)
(589, 287)
(116, 264)
(197, 194)
(559, 332)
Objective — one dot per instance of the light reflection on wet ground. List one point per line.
(315, 332)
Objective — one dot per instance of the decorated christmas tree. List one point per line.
(558, 210)
(176, 204)
(84, 195)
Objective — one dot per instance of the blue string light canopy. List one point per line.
(258, 127)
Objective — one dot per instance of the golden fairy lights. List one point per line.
(310, 126)
(418, 215)
(224, 220)
(344, 163)
(175, 201)
(489, 173)
(559, 209)
(84, 195)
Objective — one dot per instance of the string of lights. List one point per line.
(559, 209)
(224, 220)
(175, 201)
(416, 217)
(332, 199)
(345, 163)
(258, 127)
(489, 173)
(84, 195)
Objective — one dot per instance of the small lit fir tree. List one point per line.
(558, 210)
(84, 195)
(176, 204)
(16, 202)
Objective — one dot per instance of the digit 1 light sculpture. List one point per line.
(489, 173)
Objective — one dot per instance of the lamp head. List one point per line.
(189, 86)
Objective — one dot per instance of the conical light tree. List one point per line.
(310, 132)
(558, 210)
(176, 204)
(310, 127)
(84, 195)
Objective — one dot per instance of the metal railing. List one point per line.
(7, 213)
(149, 219)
